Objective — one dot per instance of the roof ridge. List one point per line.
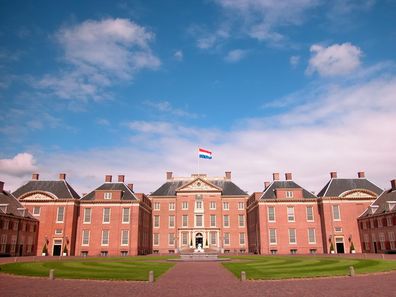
(328, 187)
(66, 185)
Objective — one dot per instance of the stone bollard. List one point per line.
(243, 276)
(52, 274)
(351, 271)
(151, 276)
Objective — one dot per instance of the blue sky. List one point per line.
(134, 87)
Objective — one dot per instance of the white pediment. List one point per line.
(38, 196)
(357, 194)
(199, 185)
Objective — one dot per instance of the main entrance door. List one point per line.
(57, 248)
(198, 240)
(340, 245)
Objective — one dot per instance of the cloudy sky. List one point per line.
(135, 87)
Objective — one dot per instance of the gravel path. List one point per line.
(201, 279)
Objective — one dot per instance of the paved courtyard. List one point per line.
(202, 279)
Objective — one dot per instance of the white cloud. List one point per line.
(99, 54)
(178, 55)
(341, 128)
(235, 55)
(166, 108)
(207, 39)
(294, 61)
(337, 59)
(18, 166)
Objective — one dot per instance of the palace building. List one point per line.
(199, 211)
(377, 224)
(18, 228)
(48, 217)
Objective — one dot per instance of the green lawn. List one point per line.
(283, 267)
(130, 268)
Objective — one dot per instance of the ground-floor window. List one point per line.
(382, 240)
(274, 252)
(124, 253)
(171, 238)
(184, 238)
(312, 251)
(293, 251)
(104, 253)
(155, 239)
(84, 253)
(391, 236)
(272, 236)
(213, 238)
(241, 238)
(227, 238)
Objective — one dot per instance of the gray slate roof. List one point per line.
(127, 194)
(381, 201)
(336, 186)
(227, 186)
(269, 193)
(13, 205)
(59, 188)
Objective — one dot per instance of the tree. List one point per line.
(352, 247)
(65, 249)
(45, 249)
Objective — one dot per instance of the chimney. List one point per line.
(275, 176)
(108, 178)
(288, 176)
(130, 186)
(121, 178)
(169, 175)
(333, 174)
(35, 176)
(361, 174)
(228, 175)
(266, 184)
(1, 186)
(62, 176)
(393, 184)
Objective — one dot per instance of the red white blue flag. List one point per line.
(204, 154)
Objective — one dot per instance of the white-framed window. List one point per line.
(171, 238)
(272, 236)
(85, 237)
(381, 237)
(292, 236)
(185, 205)
(171, 205)
(241, 220)
(198, 220)
(212, 205)
(36, 211)
(310, 214)
(226, 221)
(105, 237)
(185, 221)
(171, 221)
(271, 214)
(212, 220)
(227, 238)
(124, 237)
(336, 213)
(289, 194)
(156, 221)
(184, 238)
(311, 235)
(379, 222)
(242, 238)
(198, 204)
(157, 206)
(106, 215)
(156, 238)
(338, 229)
(87, 215)
(226, 206)
(125, 215)
(58, 231)
(213, 238)
(290, 214)
(391, 236)
(241, 205)
(389, 221)
(60, 215)
(108, 195)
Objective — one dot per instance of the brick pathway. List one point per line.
(201, 279)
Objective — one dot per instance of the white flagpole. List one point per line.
(198, 160)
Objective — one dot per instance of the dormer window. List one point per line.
(108, 195)
(289, 194)
(21, 211)
(391, 205)
(373, 208)
(3, 208)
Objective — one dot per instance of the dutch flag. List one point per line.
(204, 154)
